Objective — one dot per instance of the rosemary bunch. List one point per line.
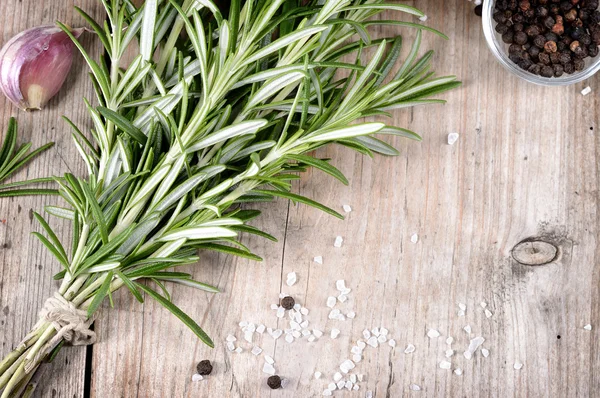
(214, 112)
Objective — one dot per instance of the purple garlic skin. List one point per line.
(34, 65)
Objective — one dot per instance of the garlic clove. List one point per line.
(34, 65)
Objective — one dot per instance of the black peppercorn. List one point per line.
(549, 22)
(479, 10)
(579, 64)
(502, 28)
(559, 70)
(274, 382)
(288, 302)
(565, 58)
(520, 38)
(508, 37)
(593, 50)
(204, 367)
(555, 58)
(534, 51)
(544, 58)
(550, 47)
(533, 30)
(569, 68)
(535, 69)
(539, 41)
(547, 71)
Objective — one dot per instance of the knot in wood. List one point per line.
(534, 252)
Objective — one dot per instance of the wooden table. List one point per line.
(525, 166)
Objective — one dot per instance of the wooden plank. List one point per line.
(526, 165)
(26, 267)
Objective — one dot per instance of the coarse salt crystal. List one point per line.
(342, 298)
(284, 382)
(331, 301)
(317, 333)
(375, 331)
(485, 352)
(467, 329)
(409, 349)
(483, 304)
(518, 365)
(432, 333)
(346, 366)
(251, 327)
(361, 377)
(230, 338)
(260, 329)
(588, 327)
(414, 238)
(381, 338)
(449, 340)
(392, 343)
(462, 306)
(340, 285)
(230, 346)
(332, 386)
(356, 387)
(449, 353)
(318, 375)
(366, 333)
(289, 338)
(445, 365)
(304, 311)
(415, 387)
(340, 384)
(243, 324)
(269, 360)
(353, 378)
(346, 291)
(274, 306)
(351, 315)
(197, 377)
(276, 333)
(586, 90)
(337, 376)
(297, 307)
(280, 312)
(361, 344)
(369, 394)
(291, 279)
(334, 314)
(460, 313)
(452, 138)
(373, 341)
(304, 324)
(327, 393)
(311, 339)
(488, 313)
(338, 241)
(268, 369)
(239, 350)
(318, 260)
(296, 334)
(335, 333)
(356, 350)
(357, 357)
(458, 371)
(248, 336)
(282, 295)
(347, 208)
(348, 385)
(306, 332)
(384, 331)
(256, 350)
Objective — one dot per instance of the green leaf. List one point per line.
(51, 235)
(124, 124)
(53, 250)
(130, 285)
(96, 211)
(102, 292)
(321, 165)
(189, 322)
(344, 132)
(229, 250)
(301, 199)
(255, 231)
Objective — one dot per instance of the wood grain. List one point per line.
(525, 166)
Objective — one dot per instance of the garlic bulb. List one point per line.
(34, 65)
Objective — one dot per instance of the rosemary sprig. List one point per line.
(229, 115)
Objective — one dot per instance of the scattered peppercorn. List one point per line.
(548, 37)
(274, 382)
(204, 367)
(479, 10)
(288, 302)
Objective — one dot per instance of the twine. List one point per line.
(71, 323)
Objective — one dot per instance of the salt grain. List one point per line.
(280, 312)
(384, 331)
(239, 350)
(347, 208)
(269, 360)
(414, 238)
(317, 333)
(342, 298)
(327, 393)
(304, 311)
(452, 138)
(256, 350)
(369, 394)
(483, 304)
(488, 313)
(274, 306)
(485, 352)
(340, 384)
(260, 329)
(305, 333)
(445, 365)
(243, 324)
(197, 377)
(318, 375)
(304, 324)
(373, 341)
(230, 338)
(296, 334)
(381, 339)
(277, 333)
(432, 333)
(460, 313)
(366, 334)
(586, 90)
(332, 386)
(467, 329)
(251, 327)
(409, 349)
(414, 387)
(331, 301)
(340, 285)
(356, 350)
(357, 357)
(311, 339)
(348, 385)
(248, 336)
(449, 340)
(289, 338)
(291, 279)
(449, 353)
(518, 365)
(375, 331)
(337, 376)
(361, 344)
(458, 371)
(338, 241)
(346, 366)
(335, 333)
(334, 314)
(588, 327)
(351, 315)
(318, 260)
(230, 346)
(356, 387)
(462, 306)
(392, 343)
(297, 307)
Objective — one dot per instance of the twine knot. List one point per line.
(71, 323)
